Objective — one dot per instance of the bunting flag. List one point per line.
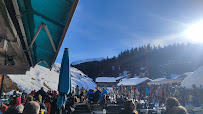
(137, 91)
(131, 88)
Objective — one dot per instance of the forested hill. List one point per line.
(153, 61)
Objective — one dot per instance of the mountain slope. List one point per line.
(87, 60)
(152, 61)
(39, 77)
(9, 85)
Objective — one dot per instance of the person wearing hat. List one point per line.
(12, 107)
(129, 108)
(42, 93)
(41, 103)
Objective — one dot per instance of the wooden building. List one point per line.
(108, 81)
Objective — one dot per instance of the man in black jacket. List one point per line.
(42, 93)
(97, 95)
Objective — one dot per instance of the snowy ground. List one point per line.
(108, 79)
(194, 78)
(39, 77)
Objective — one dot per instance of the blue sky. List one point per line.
(102, 28)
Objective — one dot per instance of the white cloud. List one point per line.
(139, 40)
(167, 19)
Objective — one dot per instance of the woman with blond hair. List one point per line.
(129, 108)
(173, 106)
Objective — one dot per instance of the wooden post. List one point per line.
(1, 83)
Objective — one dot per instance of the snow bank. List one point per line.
(183, 76)
(172, 76)
(39, 77)
(195, 78)
(105, 79)
(108, 79)
(11, 92)
(159, 79)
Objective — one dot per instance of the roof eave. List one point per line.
(72, 10)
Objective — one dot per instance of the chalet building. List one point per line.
(107, 81)
(129, 86)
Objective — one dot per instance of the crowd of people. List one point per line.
(173, 106)
(102, 97)
(41, 102)
(91, 96)
(33, 103)
(157, 94)
(46, 102)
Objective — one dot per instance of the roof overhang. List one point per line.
(170, 81)
(32, 32)
(12, 57)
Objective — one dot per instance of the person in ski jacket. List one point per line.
(48, 105)
(77, 91)
(104, 91)
(129, 108)
(42, 93)
(97, 95)
(90, 95)
(85, 94)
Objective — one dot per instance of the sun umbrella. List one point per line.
(64, 86)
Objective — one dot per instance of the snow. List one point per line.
(126, 73)
(108, 79)
(105, 79)
(136, 77)
(132, 81)
(39, 76)
(142, 68)
(163, 76)
(195, 78)
(184, 75)
(173, 75)
(159, 79)
(117, 78)
(11, 92)
(87, 60)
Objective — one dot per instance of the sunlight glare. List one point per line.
(194, 32)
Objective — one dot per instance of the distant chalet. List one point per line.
(108, 81)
